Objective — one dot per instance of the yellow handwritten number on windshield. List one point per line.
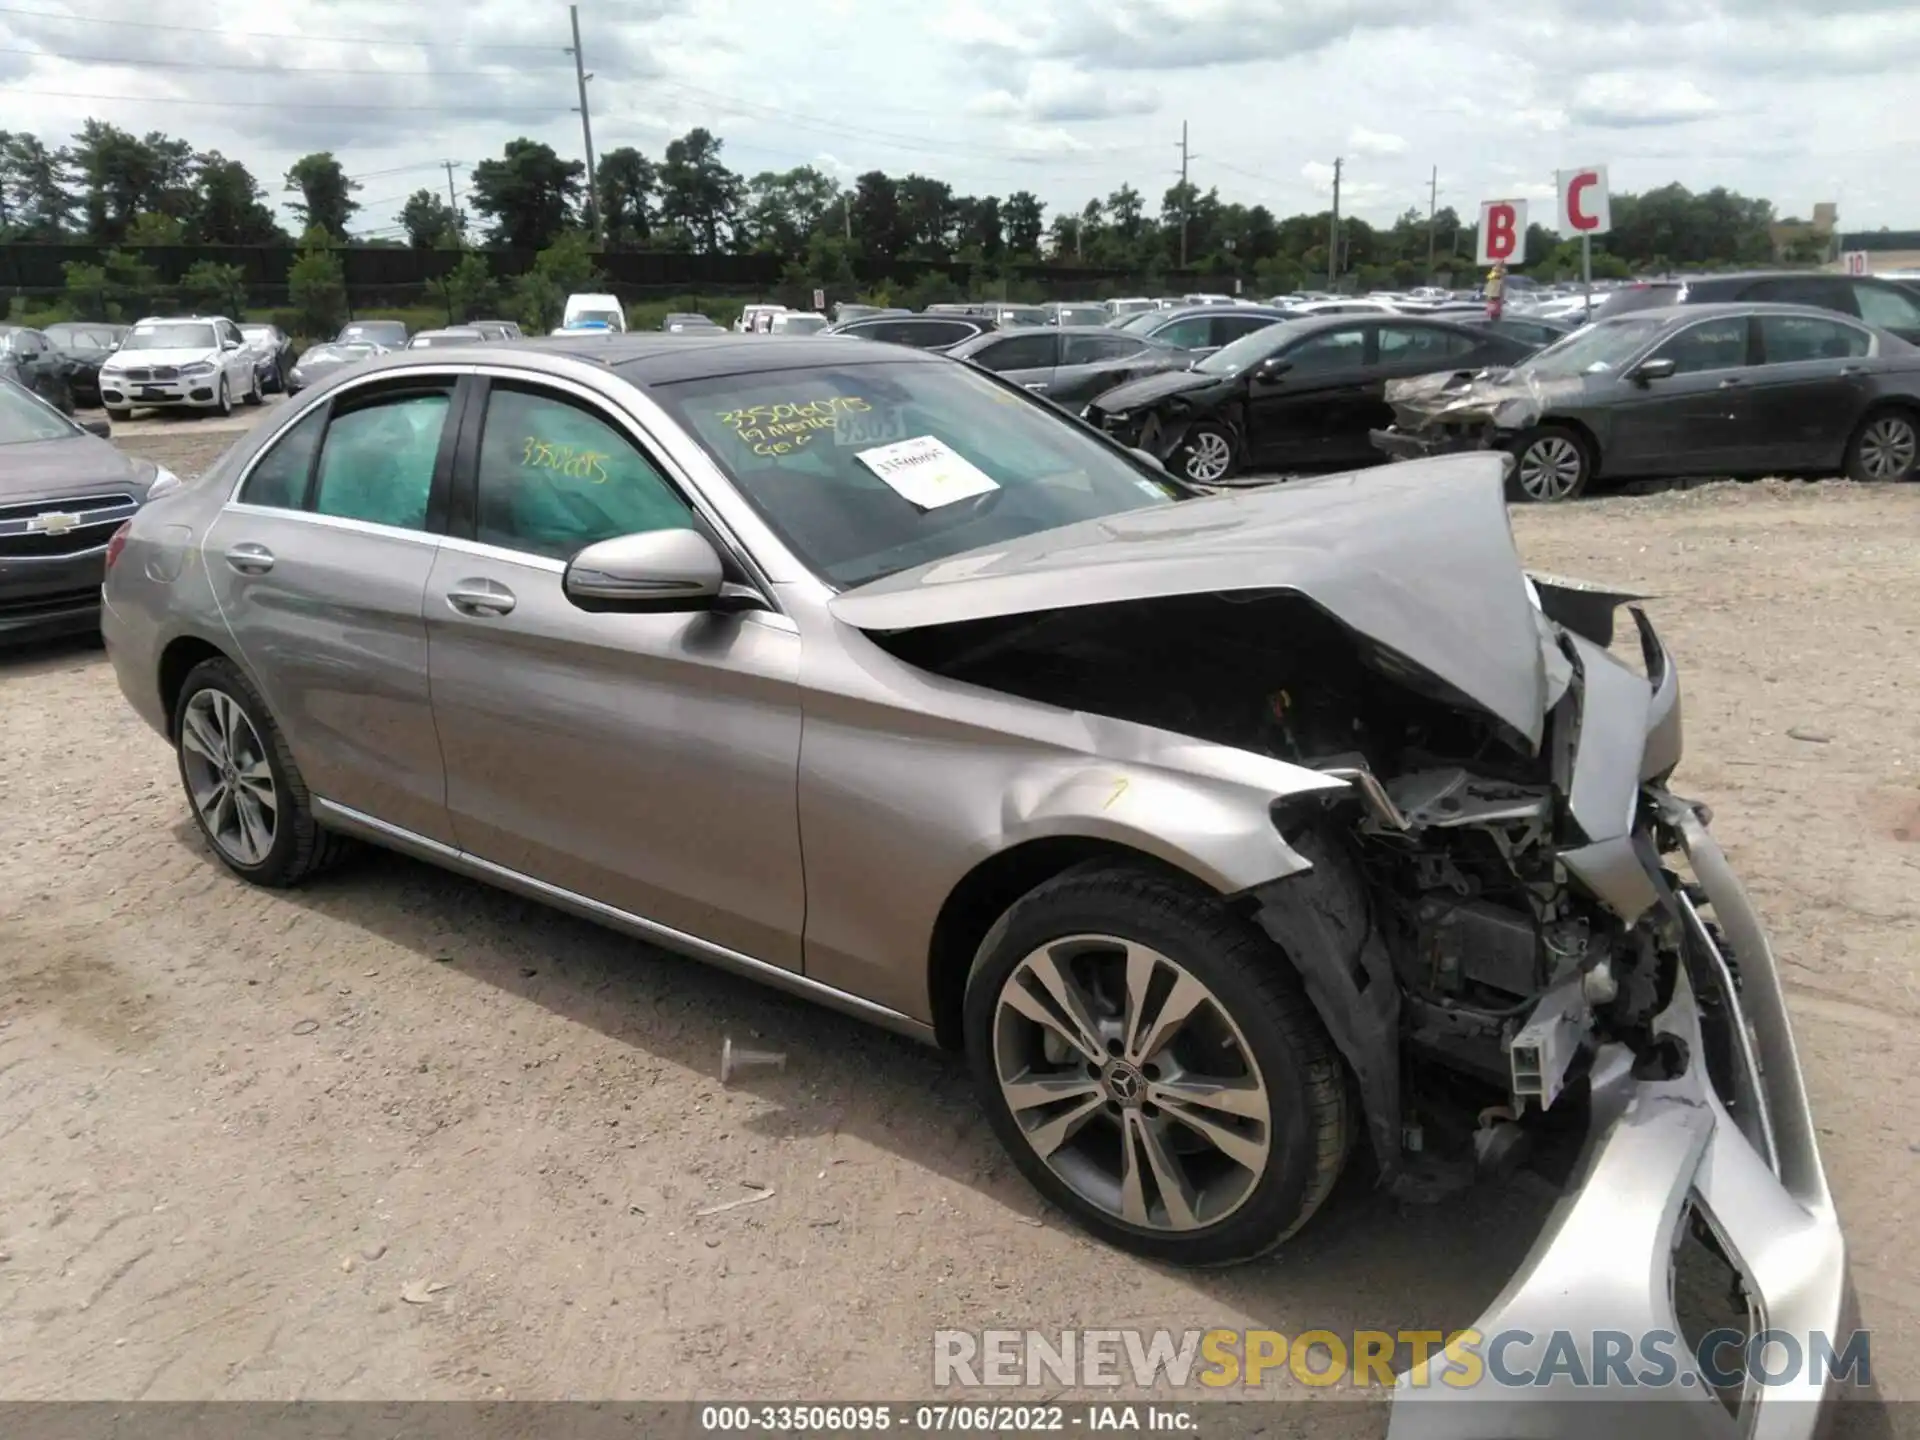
(569, 460)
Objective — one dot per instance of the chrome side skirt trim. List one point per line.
(379, 832)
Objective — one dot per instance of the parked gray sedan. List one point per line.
(1070, 364)
(1224, 834)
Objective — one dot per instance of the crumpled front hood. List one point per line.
(1149, 388)
(1510, 399)
(1417, 557)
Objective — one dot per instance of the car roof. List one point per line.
(654, 357)
(1708, 310)
(1179, 312)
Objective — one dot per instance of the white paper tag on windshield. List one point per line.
(926, 471)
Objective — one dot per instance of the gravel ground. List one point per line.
(249, 1133)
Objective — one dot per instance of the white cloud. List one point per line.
(1619, 100)
(1373, 142)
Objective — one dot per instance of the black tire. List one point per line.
(1197, 457)
(1552, 449)
(300, 846)
(1885, 448)
(1251, 983)
(255, 393)
(119, 416)
(224, 402)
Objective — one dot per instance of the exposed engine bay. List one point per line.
(1442, 871)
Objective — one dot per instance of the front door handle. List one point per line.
(1036, 384)
(481, 597)
(1732, 382)
(250, 559)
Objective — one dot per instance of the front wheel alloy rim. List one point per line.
(1130, 1081)
(1550, 468)
(228, 777)
(1888, 448)
(1208, 456)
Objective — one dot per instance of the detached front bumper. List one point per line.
(1661, 1153)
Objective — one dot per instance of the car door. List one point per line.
(1026, 357)
(1697, 419)
(319, 566)
(40, 368)
(236, 360)
(1808, 389)
(1091, 365)
(1404, 349)
(647, 762)
(1296, 415)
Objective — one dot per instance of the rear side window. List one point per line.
(279, 477)
(555, 478)
(1229, 328)
(1786, 339)
(1886, 307)
(376, 463)
(1192, 333)
(1093, 349)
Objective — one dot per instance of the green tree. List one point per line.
(36, 183)
(876, 215)
(927, 215)
(429, 221)
(468, 289)
(530, 194)
(153, 228)
(564, 268)
(210, 288)
(317, 284)
(124, 175)
(626, 182)
(697, 191)
(1024, 216)
(232, 207)
(326, 194)
(786, 208)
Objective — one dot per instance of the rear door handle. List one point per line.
(249, 558)
(481, 597)
(1732, 382)
(1036, 384)
(1853, 369)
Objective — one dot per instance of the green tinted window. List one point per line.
(279, 478)
(554, 479)
(377, 462)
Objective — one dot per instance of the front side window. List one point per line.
(555, 478)
(1330, 352)
(279, 477)
(1191, 333)
(1710, 345)
(376, 463)
(832, 458)
(1017, 352)
(1789, 339)
(1418, 344)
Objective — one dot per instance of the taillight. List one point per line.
(118, 542)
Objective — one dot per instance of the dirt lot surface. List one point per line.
(249, 1136)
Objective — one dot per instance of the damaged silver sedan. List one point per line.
(1234, 839)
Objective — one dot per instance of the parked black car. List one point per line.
(1070, 364)
(83, 347)
(273, 356)
(1201, 329)
(1299, 395)
(29, 360)
(1883, 304)
(320, 361)
(923, 332)
(63, 492)
(1684, 390)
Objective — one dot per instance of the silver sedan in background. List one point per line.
(1225, 835)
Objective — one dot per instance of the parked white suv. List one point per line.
(199, 362)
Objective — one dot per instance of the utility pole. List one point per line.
(846, 212)
(1184, 158)
(1433, 203)
(586, 123)
(453, 198)
(1333, 239)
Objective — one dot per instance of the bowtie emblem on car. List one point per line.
(53, 522)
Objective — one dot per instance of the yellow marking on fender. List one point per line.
(1119, 789)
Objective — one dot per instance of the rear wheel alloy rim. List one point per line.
(1208, 456)
(1550, 468)
(1131, 1082)
(228, 777)
(1889, 447)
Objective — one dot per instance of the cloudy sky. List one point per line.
(1796, 100)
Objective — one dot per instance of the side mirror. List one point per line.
(96, 427)
(1273, 367)
(1654, 370)
(650, 573)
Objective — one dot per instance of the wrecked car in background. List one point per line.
(1225, 835)
(1741, 389)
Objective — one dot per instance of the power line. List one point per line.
(135, 63)
(266, 34)
(469, 111)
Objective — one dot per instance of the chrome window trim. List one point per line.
(335, 522)
(482, 550)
